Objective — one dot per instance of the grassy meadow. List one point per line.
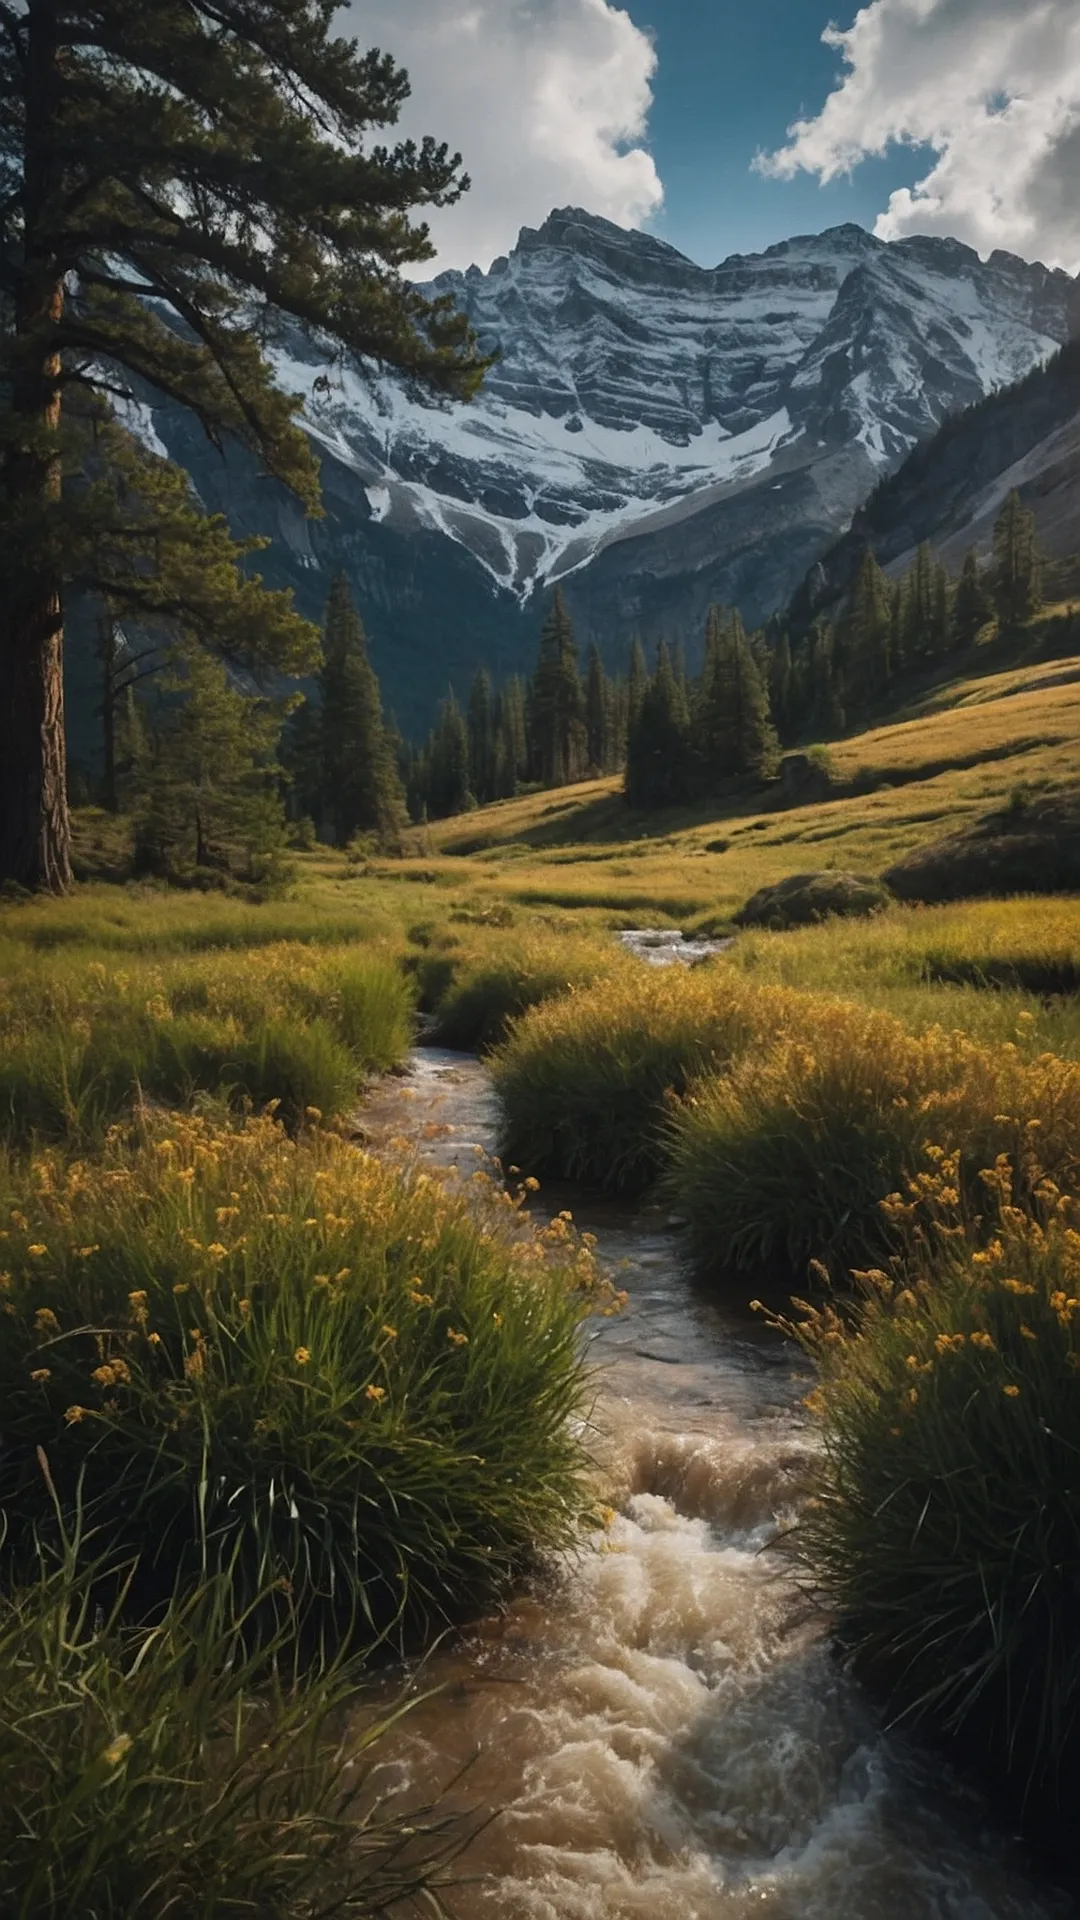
(271, 1404)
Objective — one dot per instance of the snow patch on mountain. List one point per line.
(629, 380)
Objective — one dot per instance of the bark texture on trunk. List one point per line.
(35, 827)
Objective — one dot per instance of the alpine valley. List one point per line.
(655, 435)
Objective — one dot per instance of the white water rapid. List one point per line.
(663, 1731)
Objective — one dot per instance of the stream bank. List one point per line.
(661, 1726)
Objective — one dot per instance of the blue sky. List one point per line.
(730, 79)
(959, 117)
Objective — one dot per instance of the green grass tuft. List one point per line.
(286, 1360)
(158, 1770)
(946, 1527)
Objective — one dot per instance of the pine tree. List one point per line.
(942, 624)
(597, 713)
(1017, 572)
(735, 734)
(919, 606)
(824, 706)
(216, 155)
(617, 723)
(658, 760)
(302, 759)
(972, 606)
(362, 791)
(511, 740)
(637, 681)
(557, 707)
(897, 627)
(481, 726)
(448, 763)
(866, 633)
(210, 786)
(781, 687)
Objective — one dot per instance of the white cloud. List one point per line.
(993, 87)
(547, 100)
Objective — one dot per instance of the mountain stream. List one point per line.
(662, 1731)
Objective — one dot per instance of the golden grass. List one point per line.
(581, 851)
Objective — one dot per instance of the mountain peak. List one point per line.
(575, 230)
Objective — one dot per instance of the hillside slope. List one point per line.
(950, 489)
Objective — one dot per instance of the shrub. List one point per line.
(150, 1771)
(583, 1081)
(286, 1359)
(946, 1527)
(487, 991)
(789, 1156)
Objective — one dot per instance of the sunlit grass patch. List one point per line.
(492, 984)
(583, 1081)
(287, 1360)
(82, 1040)
(788, 1157)
(999, 969)
(946, 1527)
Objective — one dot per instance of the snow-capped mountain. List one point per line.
(656, 434)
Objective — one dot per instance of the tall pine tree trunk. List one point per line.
(35, 828)
(110, 694)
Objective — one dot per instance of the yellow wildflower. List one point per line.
(37, 1250)
(1028, 1334)
(388, 1332)
(154, 1339)
(302, 1356)
(531, 1184)
(216, 1250)
(456, 1338)
(1011, 1393)
(45, 1321)
(375, 1393)
(74, 1414)
(245, 1307)
(41, 1374)
(983, 1340)
(84, 1253)
(181, 1286)
(117, 1750)
(110, 1372)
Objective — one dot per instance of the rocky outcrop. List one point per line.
(805, 898)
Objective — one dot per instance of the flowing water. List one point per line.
(662, 1730)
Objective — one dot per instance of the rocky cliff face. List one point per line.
(655, 435)
(950, 490)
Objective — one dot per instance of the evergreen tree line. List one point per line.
(205, 770)
(843, 669)
(547, 730)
